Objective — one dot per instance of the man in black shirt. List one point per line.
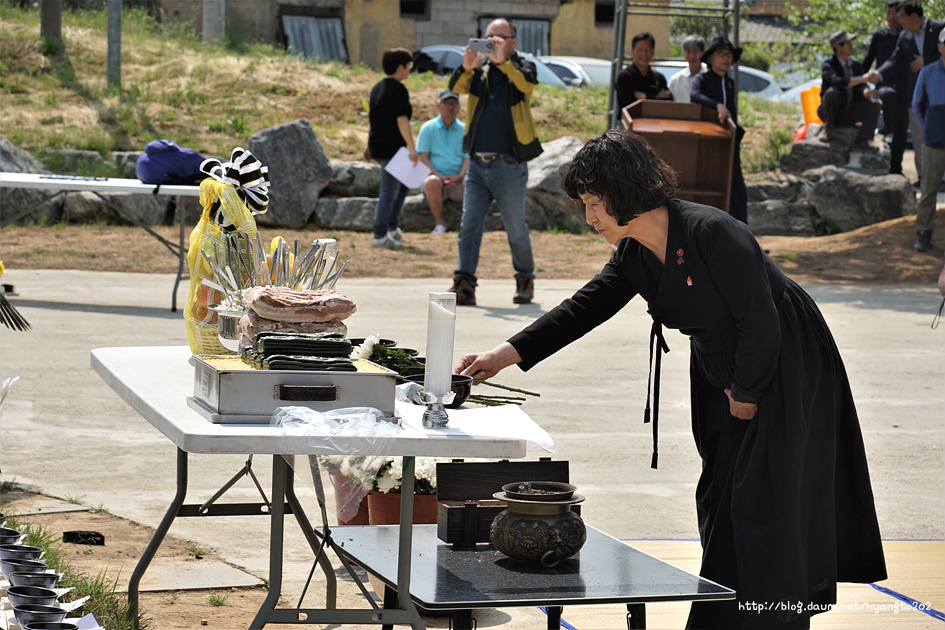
(638, 81)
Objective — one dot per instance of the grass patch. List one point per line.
(109, 607)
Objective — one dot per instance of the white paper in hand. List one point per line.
(410, 175)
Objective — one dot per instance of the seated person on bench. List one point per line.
(845, 97)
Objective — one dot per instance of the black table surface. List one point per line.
(604, 571)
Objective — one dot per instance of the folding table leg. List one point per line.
(276, 524)
(636, 616)
(172, 511)
(554, 616)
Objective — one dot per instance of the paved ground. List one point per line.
(68, 434)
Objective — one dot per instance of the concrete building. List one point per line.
(359, 31)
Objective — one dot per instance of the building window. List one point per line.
(603, 14)
(415, 9)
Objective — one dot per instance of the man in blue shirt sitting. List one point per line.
(440, 146)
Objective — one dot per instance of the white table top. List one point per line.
(44, 181)
(156, 382)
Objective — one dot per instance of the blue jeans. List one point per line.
(389, 202)
(504, 180)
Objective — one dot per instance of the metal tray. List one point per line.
(252, 396)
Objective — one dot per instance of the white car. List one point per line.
(580, 70)
(750, 80)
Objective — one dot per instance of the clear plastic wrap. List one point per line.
(332, 432)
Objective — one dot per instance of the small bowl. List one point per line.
(37, 595)
(9, 536)
(34, 578)
(459, 383)
(12, 566)
(51, 625)
(20, 552)
(34, 613)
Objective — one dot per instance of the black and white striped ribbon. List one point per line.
(247, 175)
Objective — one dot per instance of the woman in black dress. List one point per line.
(784, 501)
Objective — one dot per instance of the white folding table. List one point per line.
(156, 381)
(105, 185)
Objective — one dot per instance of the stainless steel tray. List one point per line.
(251, 396)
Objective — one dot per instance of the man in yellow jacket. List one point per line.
(500, 138)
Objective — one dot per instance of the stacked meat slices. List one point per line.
(281, 309)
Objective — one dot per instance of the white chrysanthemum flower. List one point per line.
(365, 350)
(387, 484)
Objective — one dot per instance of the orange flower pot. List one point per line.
(384, 509)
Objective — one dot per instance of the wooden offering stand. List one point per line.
(465, 505)
(691, 139)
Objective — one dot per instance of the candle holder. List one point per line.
(437, 389)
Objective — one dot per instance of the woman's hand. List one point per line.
(485, 365)
(745, 411)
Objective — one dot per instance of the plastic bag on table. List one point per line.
(352, 474)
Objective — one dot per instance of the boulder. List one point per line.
(763, 191)
(354, 179)
(846, 200)
(807, 154)
(547, 206)
(25, 205)
(416, 215)
(298, 170)
(778, 217)
(126, 163)
(87, 207)
(79, 160)
(349, 213)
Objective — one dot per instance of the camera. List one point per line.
(481, 45)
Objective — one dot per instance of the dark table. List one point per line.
(605, 571)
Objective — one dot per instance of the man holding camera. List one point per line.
(500, 138)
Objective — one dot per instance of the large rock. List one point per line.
(126, 162)
(116, 208)
(846, 200)
(349, 213)
(548, 207)
(298, 171)
(354, 179)
(25, 205)
(780, 218)
(807, 154)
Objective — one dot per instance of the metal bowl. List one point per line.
(539, 490)
(51, 625)
(15, 565)
(20, 552)
(21, 595)
(34, 578)
(9, 536)
(33, 613)
(460, 384)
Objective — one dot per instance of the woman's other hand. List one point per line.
(485, 365)
(745, 411)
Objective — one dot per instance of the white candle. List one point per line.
(441, 325)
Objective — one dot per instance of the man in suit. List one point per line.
(881, 46)
(845, 97)
(916, 48)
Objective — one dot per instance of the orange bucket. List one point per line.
(810, 100)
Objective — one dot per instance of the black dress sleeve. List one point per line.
(738, 270)
(595, 303)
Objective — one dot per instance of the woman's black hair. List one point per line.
(620, 167)
(394, 58)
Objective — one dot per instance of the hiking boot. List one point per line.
(524, 289)
(465, 292)
(924, 240)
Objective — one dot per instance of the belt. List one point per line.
(489, 157)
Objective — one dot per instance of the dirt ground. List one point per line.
(880, 253)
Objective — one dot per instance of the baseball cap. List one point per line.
(445, 94)
(840, 37)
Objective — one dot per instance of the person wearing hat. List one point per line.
(845, 97)
(928, 103)
(440, 146)
(714, 88)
